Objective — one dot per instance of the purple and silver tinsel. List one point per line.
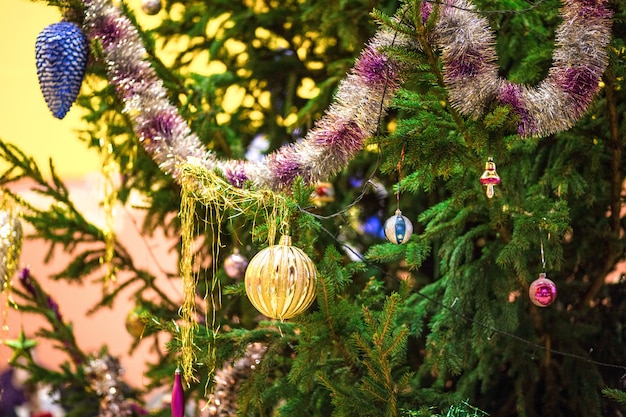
(556, 103)
(471, 76)
(330, 145)
(229, 379)
(105, 379)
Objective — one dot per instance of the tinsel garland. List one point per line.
(10, 243)
(360, 102)
(557, 102)
(471, 76)
(203, 186)
(104, 375)
(229, 378)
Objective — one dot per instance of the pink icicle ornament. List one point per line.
(178, 396)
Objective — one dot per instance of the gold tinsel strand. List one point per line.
(199, 185)
(188, 309)
(10, 240)
(109, 169)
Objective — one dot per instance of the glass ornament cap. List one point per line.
(61, 52)
(542, 291)
(398, 228)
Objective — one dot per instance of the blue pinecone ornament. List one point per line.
(61, 56)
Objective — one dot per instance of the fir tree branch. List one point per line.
(421, 35)
(615, 146)
(329, 319)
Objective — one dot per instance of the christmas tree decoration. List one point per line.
(229, 379)
(361, 100)
(281, 280)
(323, 193)
(398, 228)
(471, 75)
(372, 226)
(151, 7)
(235, 265)
(542, 291)
(178, 396)
(22, 346)
(208, 188)
(10, 245)
(490, 178)
(403, 328)
(135, 321)
(61, 58)
(105, 376)
(557, 102)
(110, 172)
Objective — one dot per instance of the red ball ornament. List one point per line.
(542, 291)
(324, 193)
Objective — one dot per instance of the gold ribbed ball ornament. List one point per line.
(281, 280)
(136, 321)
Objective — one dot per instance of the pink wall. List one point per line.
(107, 326)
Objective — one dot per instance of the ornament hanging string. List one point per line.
(543, 257)
(400, 163)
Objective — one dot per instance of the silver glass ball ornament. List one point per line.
(151, 7)
(398, 228)
(235, 265)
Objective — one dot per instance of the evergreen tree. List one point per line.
(438, 325)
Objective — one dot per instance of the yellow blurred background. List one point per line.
(24, 117)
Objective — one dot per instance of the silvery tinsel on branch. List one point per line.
(360, 103)
(228, 380)
(559, 100)
(105, 378)
(469, 58)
